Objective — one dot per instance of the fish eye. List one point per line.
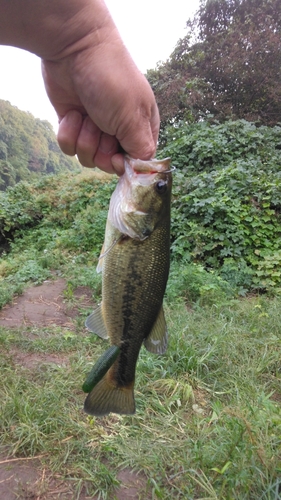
(161, 187)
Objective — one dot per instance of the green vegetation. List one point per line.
(226, 222)
(208, 421)
(28, 148)
(52, 224)
(228, 65)
(227, 200)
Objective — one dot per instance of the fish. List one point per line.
(134, 262)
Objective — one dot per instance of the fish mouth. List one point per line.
(152, 166)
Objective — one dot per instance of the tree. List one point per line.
(228, 64)
(28, 147)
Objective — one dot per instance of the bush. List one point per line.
(192, 283)
(227, 200)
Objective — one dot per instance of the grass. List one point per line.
(208, 421)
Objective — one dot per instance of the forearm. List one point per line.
(52, 29)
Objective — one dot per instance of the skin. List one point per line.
(104, 104)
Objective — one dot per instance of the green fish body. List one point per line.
(135, 268)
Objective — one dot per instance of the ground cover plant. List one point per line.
(227, 200)
(208, 421)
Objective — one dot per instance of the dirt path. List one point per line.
(44, 305)
(24, 479)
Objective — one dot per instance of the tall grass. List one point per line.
(208, 420)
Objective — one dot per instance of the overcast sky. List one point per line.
(150, 30)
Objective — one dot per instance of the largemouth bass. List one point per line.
(135, 266)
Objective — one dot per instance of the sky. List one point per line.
(150, 29)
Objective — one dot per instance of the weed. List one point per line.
(208, 420)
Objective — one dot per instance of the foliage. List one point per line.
(227, 200)
(190, 282)
(49, 225)
(70, 208)
(228, 65)
(208, 417)
(226, 227)
(242, 43)
(28, 148)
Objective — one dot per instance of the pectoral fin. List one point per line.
(99, 266)
(95, 323)
(104, 252)
(157, 340)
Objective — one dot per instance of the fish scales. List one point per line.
(135, 268)
(135, 294)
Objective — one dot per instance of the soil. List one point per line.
(24, 478)
(44, 305)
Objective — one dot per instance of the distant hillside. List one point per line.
(28, 147)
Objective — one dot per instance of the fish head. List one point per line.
(142, 197)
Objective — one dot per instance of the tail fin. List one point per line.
(106, 397)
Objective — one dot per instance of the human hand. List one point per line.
(108, 106)
(104, 103)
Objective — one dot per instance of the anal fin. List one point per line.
(157, 340)
(99, 266)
